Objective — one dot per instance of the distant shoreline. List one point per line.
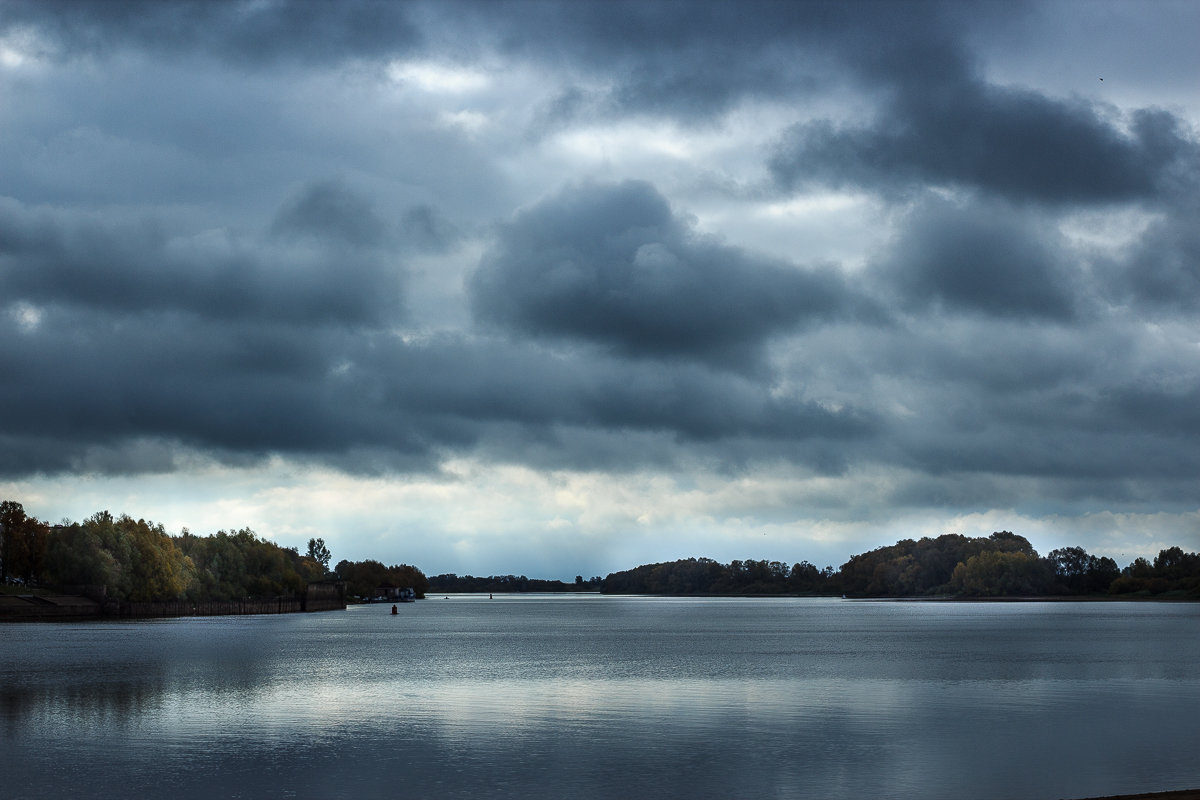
(943, 598)
(1183, 794)
(1046, 598)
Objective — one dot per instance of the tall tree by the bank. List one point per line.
(1078, 572)
(318, 552)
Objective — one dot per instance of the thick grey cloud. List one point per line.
(58, 257)
(623, 56)
(946, 126)
(986, 258)
(248, 389)
(613, 265)
(1095, 406)
(696, 61)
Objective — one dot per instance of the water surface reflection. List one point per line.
(608, 697)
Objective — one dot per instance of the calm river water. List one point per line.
(609, 697)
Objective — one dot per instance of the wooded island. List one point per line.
(1001, 565)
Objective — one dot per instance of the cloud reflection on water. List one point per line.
(600, 698)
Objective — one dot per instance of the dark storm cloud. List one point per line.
(1093, 457)
(480, 382)
(1092, 405)
(946, 126)
(123, 340)
(238, 390)
(613, 265)
(51, 257)
(133, 376)
(246, 389)
(983, 257)
(695, 61)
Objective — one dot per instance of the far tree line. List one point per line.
(1001, 565)
(450, 582)
(126, 559)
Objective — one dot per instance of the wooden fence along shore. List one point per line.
(34, 608)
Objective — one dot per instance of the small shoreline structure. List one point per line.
(75, 607)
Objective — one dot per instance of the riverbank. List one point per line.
(37, 608)
(64, 607)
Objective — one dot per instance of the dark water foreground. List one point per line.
(609, 697)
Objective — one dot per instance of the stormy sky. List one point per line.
(559, 288)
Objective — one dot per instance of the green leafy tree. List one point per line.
(1173, 570)
(142, 561)
(229, 566)
(319, 552)
(922, 567)
(1077, 572)
(157, 571)
(998, 573)
(77, 561)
